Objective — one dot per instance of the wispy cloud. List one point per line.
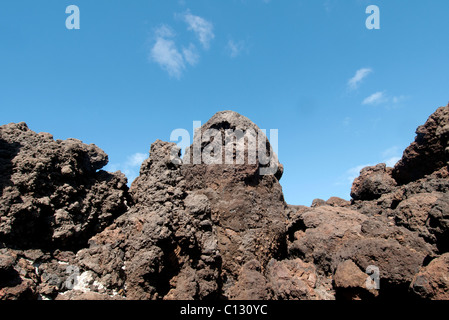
(328, 5)
(392, 151)
(398, 99)
(360, 74)
(354, 172)
(136, 159)
(166, 54)
(391, 162)
(203, 29)
(347, 121)
(375, 98)
(389, 156)
(191, 54)
(130, 167)
(382, 98)
(235, 48)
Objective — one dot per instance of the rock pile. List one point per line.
(217, 229)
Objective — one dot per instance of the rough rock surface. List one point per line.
(251, 225)
(350, 282)
(432, 282)
(214, 224)
(188, 236)
(163, 247)
(429, 152)
(372, 183)
(53, 193)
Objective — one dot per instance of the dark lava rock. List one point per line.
(53, 193)
(428, 152)
(214, 224)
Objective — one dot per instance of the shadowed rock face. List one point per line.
(52, 192)
(214, 225)
(429, 152)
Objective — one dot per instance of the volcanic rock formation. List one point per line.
(214, 224)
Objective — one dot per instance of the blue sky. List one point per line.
(341, 96)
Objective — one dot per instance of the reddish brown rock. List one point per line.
(372, 183)
(250, 226)
(319, 232)
(338, 202)
(163, 247)
(351, 282)
(428, 152)
(413, 213)
(432, 282)
(296, 280)
(328, 236)
(251, 283)
(207, 230)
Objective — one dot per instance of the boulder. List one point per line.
(432, 281)
(372, 183)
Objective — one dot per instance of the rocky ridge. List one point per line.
(218, 230)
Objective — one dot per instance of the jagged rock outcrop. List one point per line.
(188, 236)
(163, 247)
(397, 221)
(53, 193)
(250, 226)
(429, 152)
(214, 224)
(328, 237)
(54, 197)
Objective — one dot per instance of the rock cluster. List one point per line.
(220, 230)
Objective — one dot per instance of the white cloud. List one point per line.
(398, 99)
(172, 58)
(375, 98)
(354, 172)
(389, 156)
(201, 27)
(360, 74)
(136, 159)
(130, 167)
(166, 54)
(392, 161)
(164, 31)
(191, 54)
(235, 48)
(391, 152)
(382, 98)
